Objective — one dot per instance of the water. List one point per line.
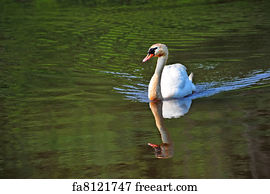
(73, 90)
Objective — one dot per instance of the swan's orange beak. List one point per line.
(149, 56)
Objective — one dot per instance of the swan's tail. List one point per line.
(190, 77)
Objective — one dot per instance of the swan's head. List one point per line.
(156, 50)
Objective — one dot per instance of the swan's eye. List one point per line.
(152, 50)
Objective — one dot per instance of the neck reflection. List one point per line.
(167, 109)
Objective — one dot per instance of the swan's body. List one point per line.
(175, 82)
(171, 81)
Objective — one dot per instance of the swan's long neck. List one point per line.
(154, 90)
(160, 64)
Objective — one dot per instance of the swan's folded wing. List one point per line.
(175, 82)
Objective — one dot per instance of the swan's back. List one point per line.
(175, 82)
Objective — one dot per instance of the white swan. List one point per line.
(169, 81)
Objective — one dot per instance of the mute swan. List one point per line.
(169, 81)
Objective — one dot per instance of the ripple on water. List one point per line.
(138, 92)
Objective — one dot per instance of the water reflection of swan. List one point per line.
(167, 109)
(175, 108)
(170, 81)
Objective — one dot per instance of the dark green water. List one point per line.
(73, 90)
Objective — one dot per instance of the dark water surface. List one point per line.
(73, 90)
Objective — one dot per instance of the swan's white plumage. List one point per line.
(170, 81)
(175, 83)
